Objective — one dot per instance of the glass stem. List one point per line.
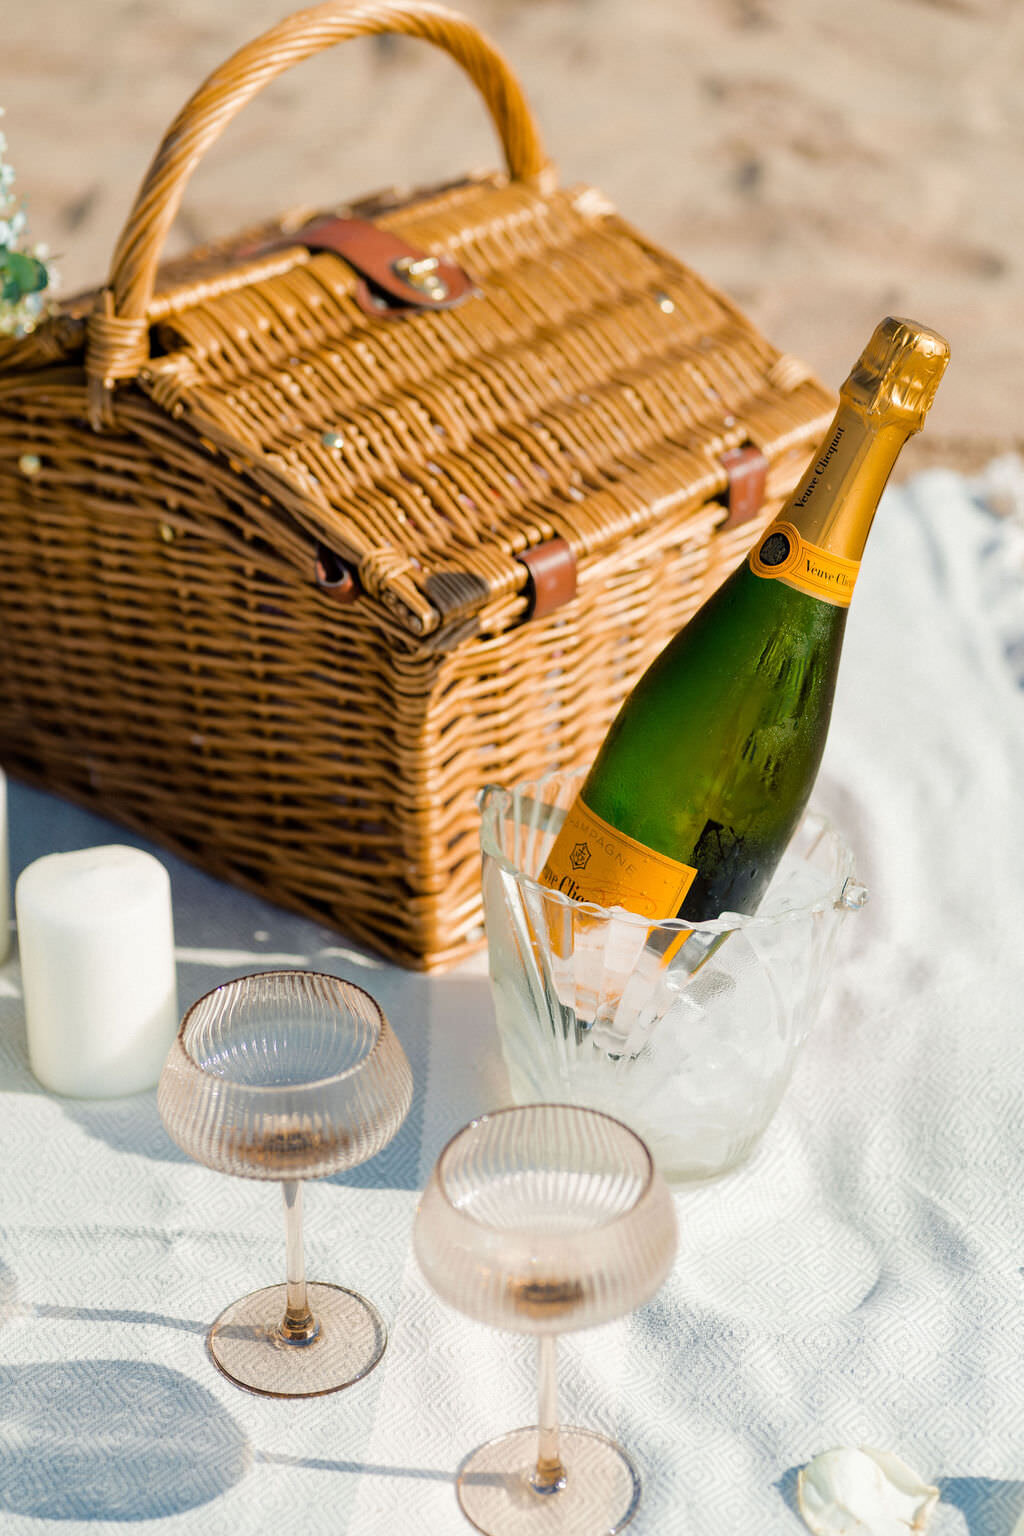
(549, 1476)
(298, 1326)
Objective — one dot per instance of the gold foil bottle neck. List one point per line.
(897, 374)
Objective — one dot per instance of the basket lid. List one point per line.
(587, 385)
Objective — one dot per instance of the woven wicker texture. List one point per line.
(177, 454)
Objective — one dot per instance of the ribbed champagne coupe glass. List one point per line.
(288, 1075)
(540, 1219)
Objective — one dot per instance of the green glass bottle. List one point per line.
(706, 770)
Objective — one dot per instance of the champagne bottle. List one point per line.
(706, 770)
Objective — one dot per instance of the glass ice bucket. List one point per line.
(691, 1044)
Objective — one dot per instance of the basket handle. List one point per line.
(118, 329)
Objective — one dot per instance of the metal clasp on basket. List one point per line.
(422, 273)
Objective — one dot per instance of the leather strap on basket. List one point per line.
(552, 577)
(394, 276)
(747, 469)
(117, 342)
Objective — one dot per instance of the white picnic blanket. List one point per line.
(858, 1282)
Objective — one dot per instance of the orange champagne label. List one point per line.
(784, 555)
(592, 861)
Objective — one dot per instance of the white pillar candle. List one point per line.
(5, 875)
(96, 941)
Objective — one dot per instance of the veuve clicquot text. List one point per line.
(707, 768)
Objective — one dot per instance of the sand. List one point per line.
(824, 164)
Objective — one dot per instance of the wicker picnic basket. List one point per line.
(309, 535)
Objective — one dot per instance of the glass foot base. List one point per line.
(599, 1496)
(247, 1345)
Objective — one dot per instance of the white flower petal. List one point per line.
(863, 1492)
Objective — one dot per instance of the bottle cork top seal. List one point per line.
(898, 372)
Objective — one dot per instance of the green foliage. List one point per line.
(20, 275)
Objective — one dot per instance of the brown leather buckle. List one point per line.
(747, 469)
(552, 577)
(394, 277)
